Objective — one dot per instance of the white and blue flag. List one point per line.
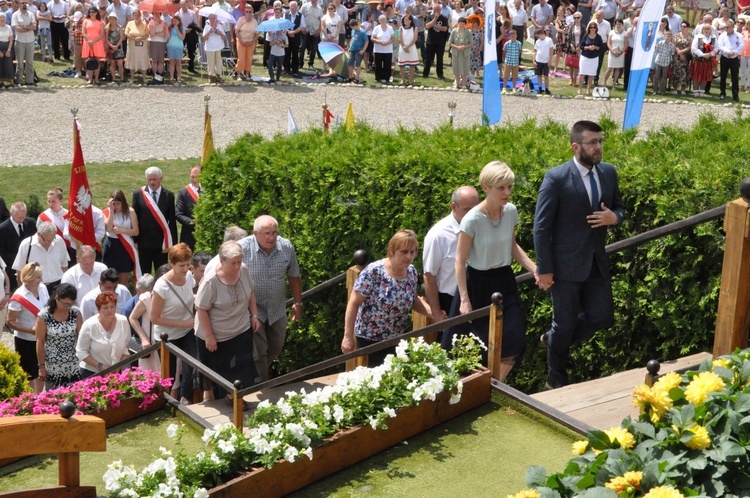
(643, 54)
(492, 107)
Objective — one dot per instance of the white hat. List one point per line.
(77, 16)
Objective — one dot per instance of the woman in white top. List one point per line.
(456, 14)
(172, 313)
(486, 246)
(57, 214)
(617, 44)
(121, 224)
(407, 56)
(214, 40)
(43, 18)
(6, 53)
(382, 40)
(329, 25)
(103, 340)
(25, 304)
(140, 321)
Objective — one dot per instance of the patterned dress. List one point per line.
(477, 46)
(386, 311)
(60, 349)
(681, 68)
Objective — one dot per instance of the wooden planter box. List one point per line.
(356, 444)
(128, 410)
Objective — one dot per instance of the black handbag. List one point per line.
(92, 64)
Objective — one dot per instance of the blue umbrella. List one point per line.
(274, 24)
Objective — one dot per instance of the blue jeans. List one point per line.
(45, 42)
(276, 61)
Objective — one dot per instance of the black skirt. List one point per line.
(233, 358)
(481, 284)
(116, 256)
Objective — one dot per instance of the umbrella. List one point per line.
(275, 24)
(221, 15)
(158, 6)
(334, 55)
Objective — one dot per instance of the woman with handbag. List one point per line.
(617, 43)
(172, 313)
(93, 44)
(575, 31)
(137, 58)
(116, 55)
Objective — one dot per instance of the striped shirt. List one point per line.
(269, 273)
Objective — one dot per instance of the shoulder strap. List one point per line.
(190, 309)
(28, 254)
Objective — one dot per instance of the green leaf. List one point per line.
(586, 482)
(598, 493)
(599, 440)
(645, 428)
(536, 476)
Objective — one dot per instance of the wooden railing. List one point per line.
(63, 434)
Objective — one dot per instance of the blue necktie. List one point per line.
(155, 196)
(594, 191)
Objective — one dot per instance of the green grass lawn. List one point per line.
(22, 182)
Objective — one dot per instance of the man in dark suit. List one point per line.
(12, 231)
(186, 198)
(154, 206)
(577, 201)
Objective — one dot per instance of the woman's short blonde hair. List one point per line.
(30, 272)
(496, 173)
(403, 239)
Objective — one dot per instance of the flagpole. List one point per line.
(74, 112)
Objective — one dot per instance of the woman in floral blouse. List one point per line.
(383, 297)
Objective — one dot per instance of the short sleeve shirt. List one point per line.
(227, 305)
(385, 312)
(173, 307)
(492, 241)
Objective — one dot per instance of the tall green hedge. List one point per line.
(339, 192)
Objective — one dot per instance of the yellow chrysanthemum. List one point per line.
(526, 493)
(651, 401)
(663, 492)
(580, 447)
(667, 382)
(705, 382)
(622, 483)
(720, 362)
(701, 440)
(625, 438)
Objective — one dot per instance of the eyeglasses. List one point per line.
(593, 143)
(65, 304)
(46, 240)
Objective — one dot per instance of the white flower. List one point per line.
(208, 434)
(200, 493)
(215, 459)
(172, 430)
(389, 411)
(373, 422)
(261, 446)
(478, 341)
(164, 451)
(308, 452)
(264, 404)
(129, 493)
(226, 446)
(401, 353)
(455, 398)
(291, 454)
(338, 414)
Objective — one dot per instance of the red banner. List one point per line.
(81, 221)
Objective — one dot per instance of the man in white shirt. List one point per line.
(107, 282)
(604, 29)
(24, 25)
(439, 256)
(519, 19)
(85, 275)
(46, 248)
(730, 46)
(674, 20)
(59, 10)
(542, 15)
(191, 25)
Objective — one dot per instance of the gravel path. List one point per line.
(126, 123)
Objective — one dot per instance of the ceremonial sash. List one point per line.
(191, 190)
(159, 217)
(45, 217)
(30, 307)
(129, 245)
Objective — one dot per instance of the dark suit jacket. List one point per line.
(150, 235)
(185, 206)
(564, 242)
(9, 242)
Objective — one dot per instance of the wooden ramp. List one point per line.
(220, 412)
(603, 403)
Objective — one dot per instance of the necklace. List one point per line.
(494, 224)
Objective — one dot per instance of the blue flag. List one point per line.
(492, 106)
(640, 67)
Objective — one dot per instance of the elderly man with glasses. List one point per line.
(47, 249)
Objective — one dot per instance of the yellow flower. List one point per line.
(526, 493)
(720, 362)
(701, 440)
(622, 483)
(705, 382)
(663, 492)
(668, 381)
(580, 447)
(624, 437)
(652, 401)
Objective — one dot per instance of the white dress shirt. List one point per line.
(88, 303)
(439, 256)
(83, 282)
(730, 43)
(54, 260)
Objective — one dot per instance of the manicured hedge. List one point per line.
(334, 194)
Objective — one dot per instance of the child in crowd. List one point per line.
(368, 25)
(543, 48)
(357, 50)
(512, 59)
(663, 52)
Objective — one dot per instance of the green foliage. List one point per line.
(336, 193)
(13, 380)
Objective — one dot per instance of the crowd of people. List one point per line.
(116, 40)
(71, 321)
